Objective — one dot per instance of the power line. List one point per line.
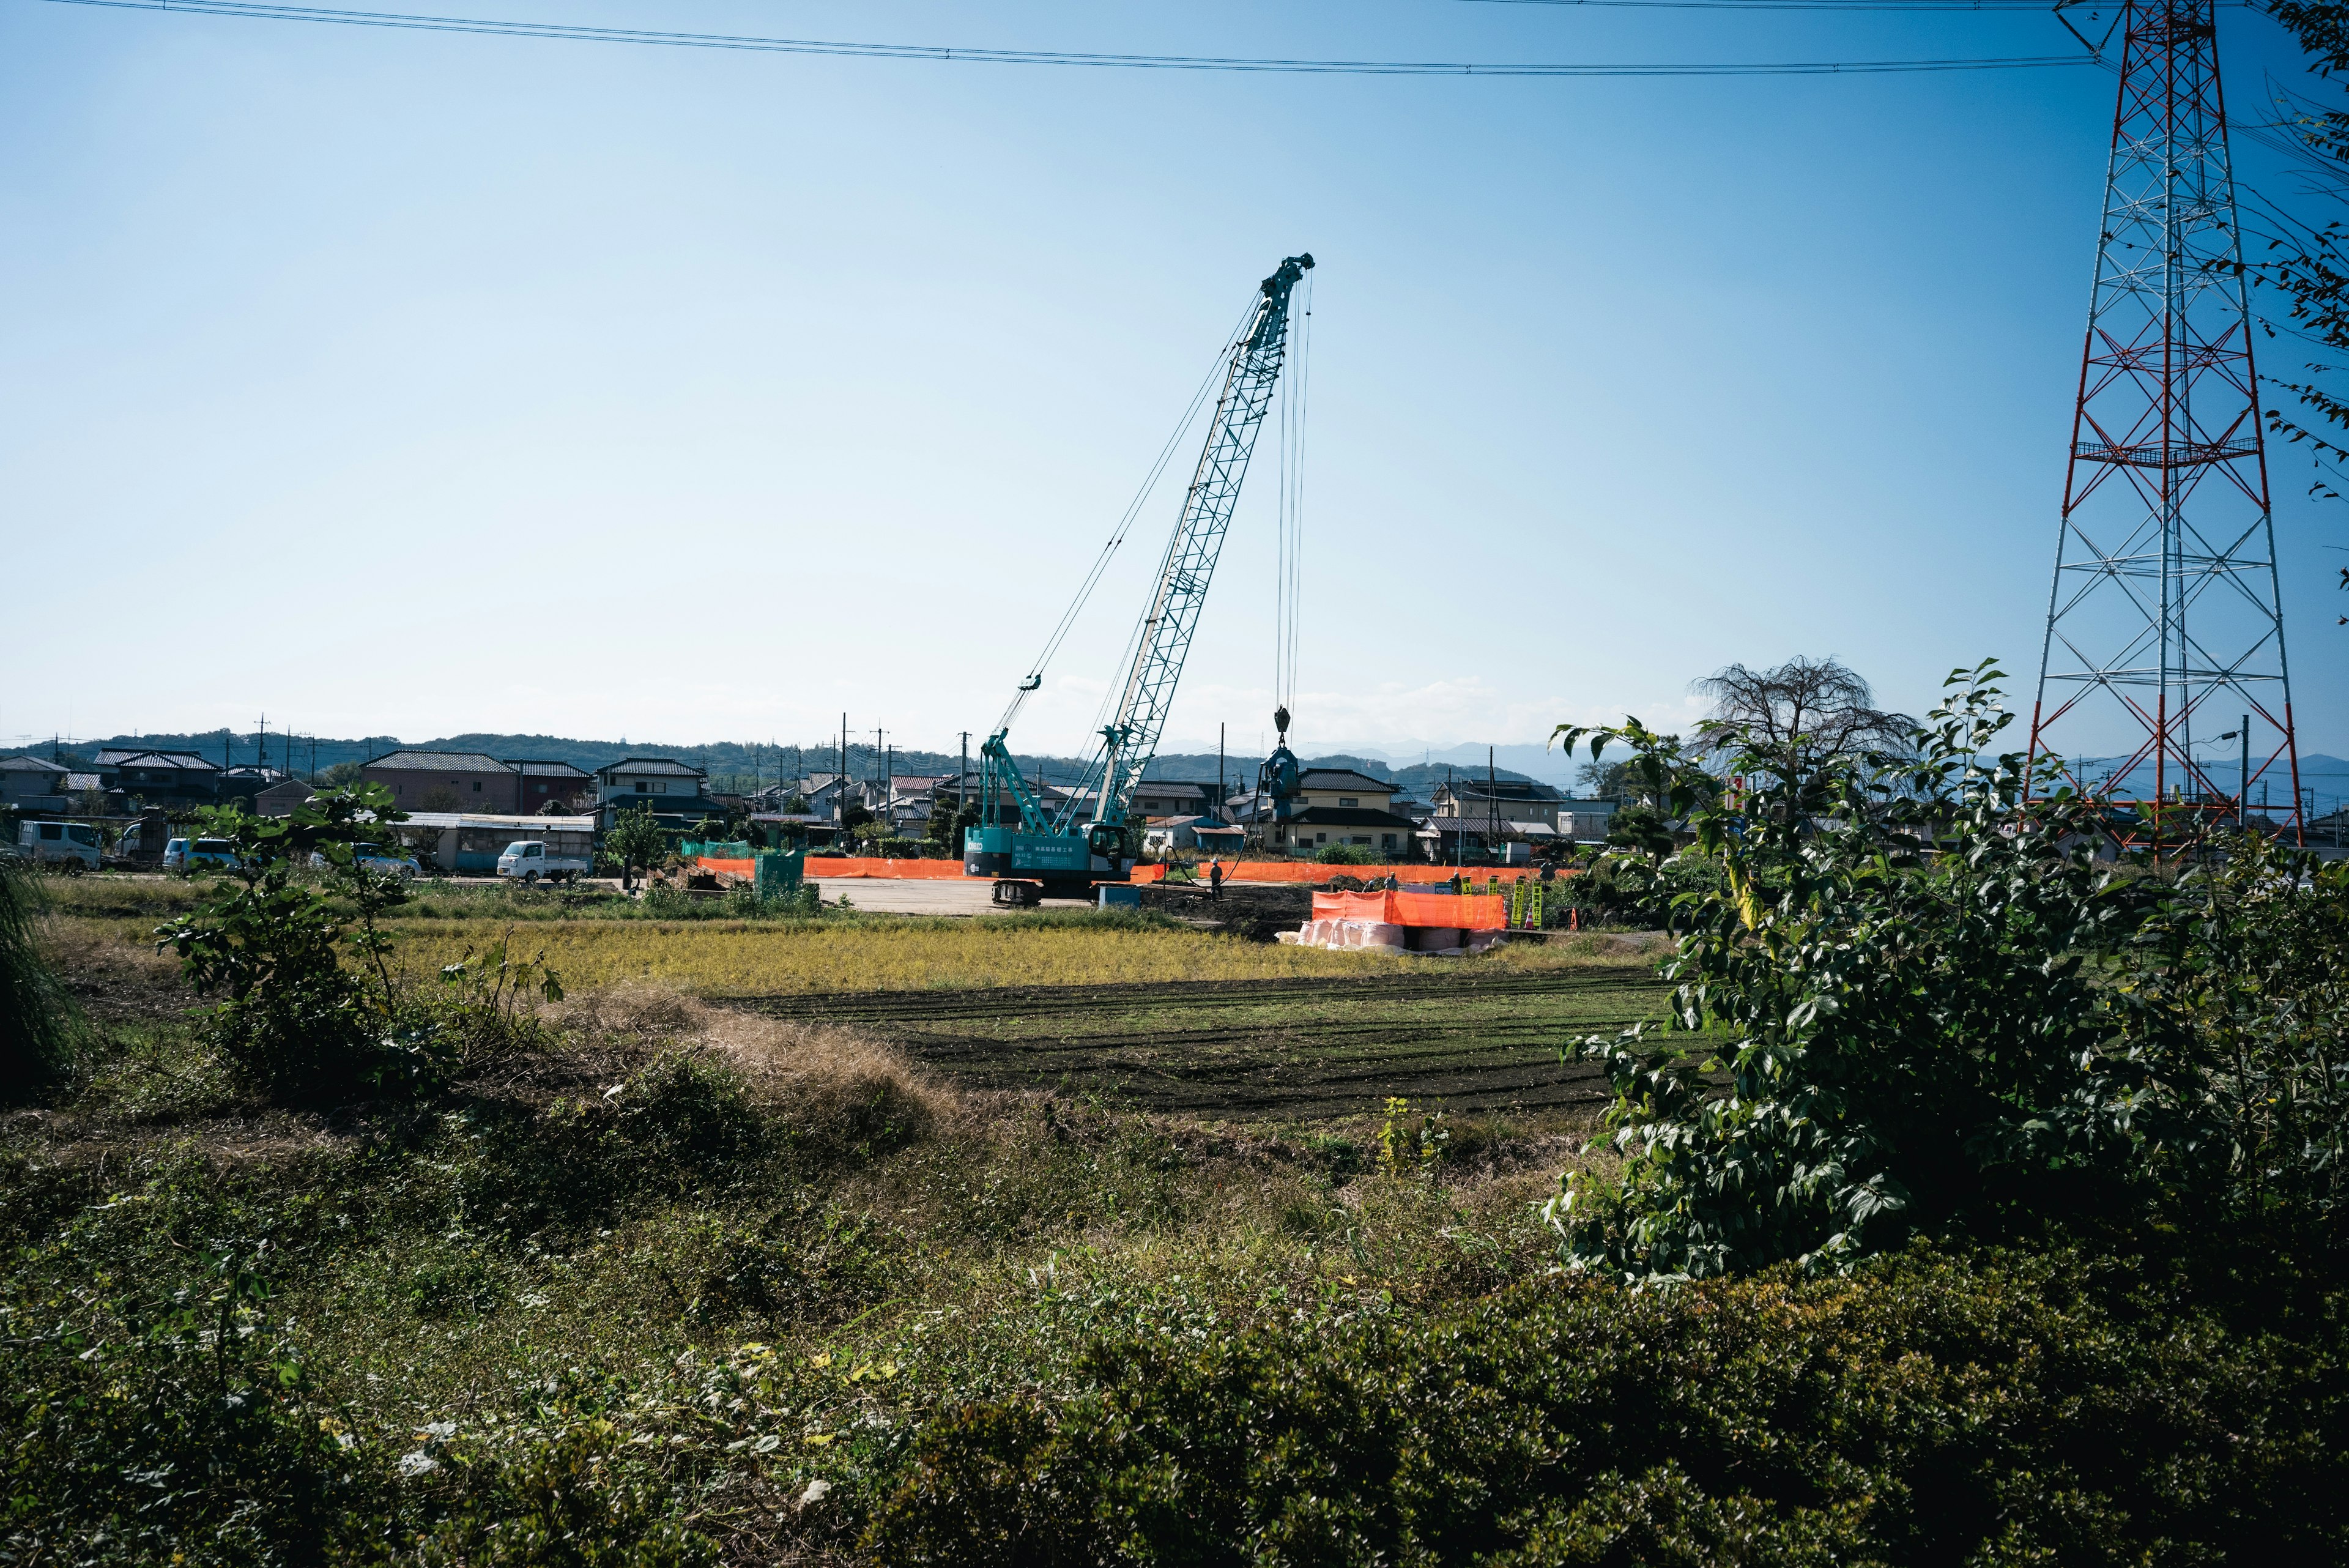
(401, 22)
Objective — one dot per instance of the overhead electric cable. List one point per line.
(403, 22)
(2006, 7)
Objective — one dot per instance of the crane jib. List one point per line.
(1050, 846)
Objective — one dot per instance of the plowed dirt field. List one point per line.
(1298, 1049)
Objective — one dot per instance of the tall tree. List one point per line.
(1798, 717)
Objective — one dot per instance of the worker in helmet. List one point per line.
(1215, 877)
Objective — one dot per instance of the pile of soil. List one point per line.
(1254, 910)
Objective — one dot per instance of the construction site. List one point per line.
(1767, 1127)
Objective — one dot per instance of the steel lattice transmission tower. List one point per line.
(2164, 621)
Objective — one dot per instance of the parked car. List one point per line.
(73, 843)
(529, 860)
(376, 857)
(187, 853)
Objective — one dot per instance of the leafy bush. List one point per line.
(297, 1022)
(37, 1016)
(636, 841)
(1938, 1008)
(1346, 854)
(2006, 1408)
(2236, 1001)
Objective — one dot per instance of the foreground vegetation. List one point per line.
(1979, 1205)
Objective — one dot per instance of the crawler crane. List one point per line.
(1061, 854)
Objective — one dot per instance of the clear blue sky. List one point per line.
(396, 383)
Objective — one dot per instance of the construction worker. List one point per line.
(1215, 877)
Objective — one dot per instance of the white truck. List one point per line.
(74, 843)
(531, 860)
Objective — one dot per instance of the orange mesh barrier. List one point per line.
(1464, 912)
(740, 868)
(827, 868)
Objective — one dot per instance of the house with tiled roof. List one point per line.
(32, 784)
(669, 789)
(443, 781)
(160, 777)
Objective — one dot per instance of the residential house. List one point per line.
(912, 798)
(1333, 806)
(1170, 797)
(162, 777)
(671, 790)
(246, 781)
(444, 781)
(32, 784)
(86, 790)
(545, 787)
(1517, 801)
(283, 799)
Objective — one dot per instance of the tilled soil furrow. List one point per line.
(1323, 1048)
(1038, 1001)
(1472, 1034)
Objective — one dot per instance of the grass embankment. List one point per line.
(593, 947)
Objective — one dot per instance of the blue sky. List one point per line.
(414, 384)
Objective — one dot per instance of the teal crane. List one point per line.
(1061, 853)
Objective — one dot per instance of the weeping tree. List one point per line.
(1797, 722)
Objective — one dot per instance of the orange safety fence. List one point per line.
(1465, 911)
(826, 868)
(739, 867)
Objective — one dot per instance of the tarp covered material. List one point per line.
(1464, 912)
(714, 850)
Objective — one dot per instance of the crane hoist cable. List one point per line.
(1289, 575)
(1117, 535)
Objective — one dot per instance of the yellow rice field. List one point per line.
(719, 958)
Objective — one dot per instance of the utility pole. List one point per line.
(840, 783)
(261, 759)
(1492, 802)
(1219, 775)
(2243, 777)
(962, 777)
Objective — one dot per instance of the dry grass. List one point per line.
(814, 1074)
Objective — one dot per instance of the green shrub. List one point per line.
(1916, 968)
(1347, 854)
(2002, 1408)
(36, 1017)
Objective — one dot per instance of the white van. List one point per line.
(528, 860)
(67, 841)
